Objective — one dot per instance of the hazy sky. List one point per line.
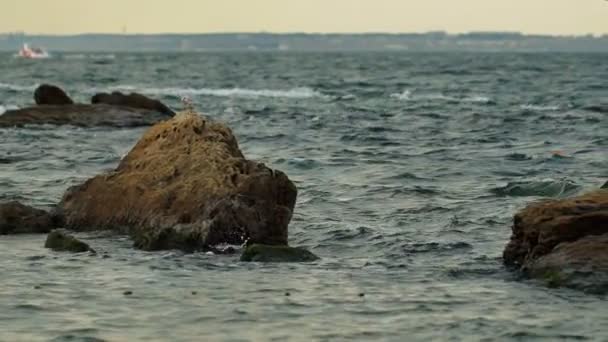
(147, 16)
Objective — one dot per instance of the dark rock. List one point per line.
(582, 264)
(265, 253)
(82, 115)
(563, 241)
(187, 186)
(127, 293)
(605, 186)
(598, 108)
(47, 94)
(133, 100)
(59, 240)
(16, 218)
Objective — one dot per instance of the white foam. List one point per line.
(539, 108)
(296, 93)
(408, 95)
(404, 96)
(16, 87)
(94, 56)
(77, 56)
(4, 109)
(477, 99)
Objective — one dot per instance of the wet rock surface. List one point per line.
(83, 115)
(60, 240)
(563, 241)
(185, 185)
(47, 94)
(133, 100)
(265, 253)
(16, 218)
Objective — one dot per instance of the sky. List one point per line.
(558, 17)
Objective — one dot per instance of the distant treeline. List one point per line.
(432, 41)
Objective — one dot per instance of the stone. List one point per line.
(133, 100)
(266, 253)
(605, 186)
(558, 239)
(185, 185)
(61, 241)
(82, 115)
(16, 218)
(47, 94)
(582, 264)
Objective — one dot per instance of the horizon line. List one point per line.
(354, 33)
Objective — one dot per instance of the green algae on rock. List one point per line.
(266, 253)
(61, 241)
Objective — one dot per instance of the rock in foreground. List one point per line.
(185, 185)
(82, 115)
(16, 218)
(60, 241)
(264, 253)
(564, 242)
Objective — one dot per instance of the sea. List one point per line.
(409, 167)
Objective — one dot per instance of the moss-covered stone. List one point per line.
(554, 279)
(59, 240)
(267, 253)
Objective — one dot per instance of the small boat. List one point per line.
(32, 52)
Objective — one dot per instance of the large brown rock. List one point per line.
(185, 185)
(82, 115)
(133, 100)
(563, 241)
(16, 218)
(47, 94)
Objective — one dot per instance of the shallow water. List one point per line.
(409, 169)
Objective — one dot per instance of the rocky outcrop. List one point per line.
(47, 94)
(564, 242)
(264, 253)
(185, 185)
(81, 115)
(16, 218)
(133, 100)
(60, 240)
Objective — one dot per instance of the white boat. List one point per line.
(32, 52)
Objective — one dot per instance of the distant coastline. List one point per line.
(415, 42)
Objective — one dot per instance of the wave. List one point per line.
(16, 87)
(4, 109)
(539, 108)
(544, 188)
(408, 95)
(296, 93)
(94, 56)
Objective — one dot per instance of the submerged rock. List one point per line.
(16, 218)
(563, 241)
(61, 241)
(133, 100)
(82, 115)
(185, 185)
(265, 253)
(47, 94)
